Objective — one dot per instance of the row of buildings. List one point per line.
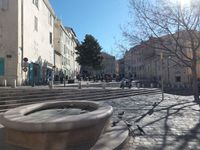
(34, 43)
(147, 63)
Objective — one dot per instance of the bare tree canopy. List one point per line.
(172, 26)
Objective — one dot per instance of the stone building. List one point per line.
(65, 43)
(71, 49)
(137, 62)
(150, 63)
(120, 69)
(109, 63)
(26, 33)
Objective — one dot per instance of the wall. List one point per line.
(9, 40)
(37, 46)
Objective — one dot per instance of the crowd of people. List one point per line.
(99, 77)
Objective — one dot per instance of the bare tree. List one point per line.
(175, 28)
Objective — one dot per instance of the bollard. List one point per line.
(64, 82)
(14, 83)
(51, 85)
(5, 83)
(103, 85)
(138, 85)
(151, 85)
(79, 85)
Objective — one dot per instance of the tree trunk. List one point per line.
(195, 83)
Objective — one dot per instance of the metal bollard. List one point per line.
(64, 83)
(14, 83)
(103, 85)
(5, 83)
(51, 85)
(79, 85)
(152, 85)
(138, 85)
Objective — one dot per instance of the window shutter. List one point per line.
(4, 4)
(1, 4)
(2, 66)
(1, 30)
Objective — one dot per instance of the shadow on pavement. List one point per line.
(187, 138)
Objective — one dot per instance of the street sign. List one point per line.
(25, 69)
(25, 64)
(25, 59)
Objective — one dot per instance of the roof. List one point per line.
(48, 4)
(70, 29)
(107, 55)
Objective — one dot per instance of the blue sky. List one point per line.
(100, 18)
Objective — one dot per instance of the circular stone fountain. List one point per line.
(71, 125)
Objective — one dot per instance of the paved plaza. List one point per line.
(172, 124)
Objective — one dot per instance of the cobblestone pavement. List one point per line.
(172, 124)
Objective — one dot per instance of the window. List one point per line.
(3, 4)
(178, 78)
(36, 24)
(2, 66)
(50, 37)
(36, 3)
(65, 49)
(50, 19)
(1, 31)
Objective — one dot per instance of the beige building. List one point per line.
(74, 67)
(109, 63)
(120, 67)
(65, 43)
(108, 67)
(26, 31)
(144, 62)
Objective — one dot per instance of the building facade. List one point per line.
(65, 43)
(26, 45)
(151, 63)
(34, 46)
(74, 67)
(108, 63)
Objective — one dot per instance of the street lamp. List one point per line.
(168, 75)
(52, 77)
(162, 88)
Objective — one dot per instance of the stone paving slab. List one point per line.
(174, 124)
(113, 138)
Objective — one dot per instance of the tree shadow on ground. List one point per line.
(180, 142)
(192, 135)
(181, 92)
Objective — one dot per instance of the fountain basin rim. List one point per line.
(16, 118)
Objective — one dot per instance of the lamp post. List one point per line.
(52, 77)
(162, 88)
(168, 74)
